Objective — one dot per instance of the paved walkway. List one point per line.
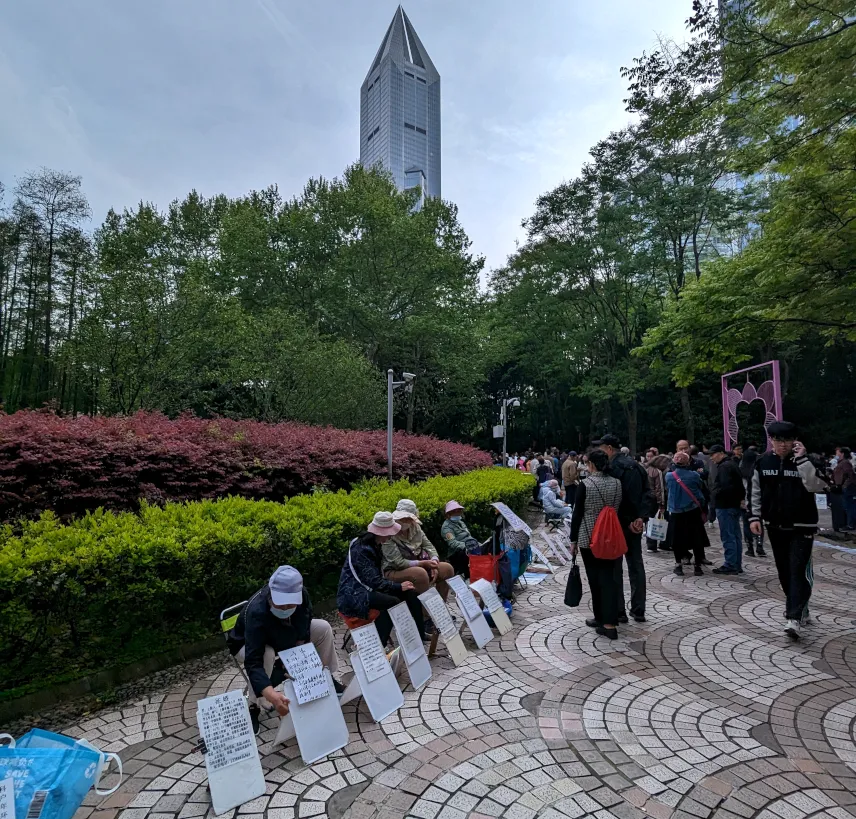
(706, 710)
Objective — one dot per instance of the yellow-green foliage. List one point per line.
(112, 587)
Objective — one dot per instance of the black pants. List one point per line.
(570, 494)
(792, 552)
(839, 510)
(688, 535)
(604, 578)
(384, 602)
(460, 562)
(636, 573)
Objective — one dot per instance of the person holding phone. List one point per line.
(783, 487)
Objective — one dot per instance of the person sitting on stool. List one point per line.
(363, 587)
(458, 539)
(278, 617)
(554, 508)
(411, 556)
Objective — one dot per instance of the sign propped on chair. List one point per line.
(411, 644)
(443, 622)
(374, 674)
(471, 612)
(485, 590)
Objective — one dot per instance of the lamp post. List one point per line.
(506, 403)
(391, 386)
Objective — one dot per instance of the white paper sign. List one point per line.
(232, 761)
(821, 500)
(542, 559)
(306, 671)
(383, 696)
(488, 594)
(372, 653)
(408, 633)
(514, 521)
(224, 723)
(469, 607)
(319, 725)
(7, 798)
(436, 608)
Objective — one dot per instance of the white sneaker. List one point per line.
(792, 629)
(806, 620)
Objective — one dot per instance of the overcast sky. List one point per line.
(146, 100)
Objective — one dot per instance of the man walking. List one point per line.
(637, 505)
(729, 495)
(783, 487)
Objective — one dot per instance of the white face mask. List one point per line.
(282, 614)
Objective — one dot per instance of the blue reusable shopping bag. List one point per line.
(52, 773)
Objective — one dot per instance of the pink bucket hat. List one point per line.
(453, 506)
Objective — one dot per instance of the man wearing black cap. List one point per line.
(637, 505)
(729, 495)
(783, 487)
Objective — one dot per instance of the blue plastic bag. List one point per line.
(52, 773)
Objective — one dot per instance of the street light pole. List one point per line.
(503, 413)
(391, 386)
(504, 422)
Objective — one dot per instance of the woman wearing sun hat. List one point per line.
(409, 555)
(362, 585)
(457, 538)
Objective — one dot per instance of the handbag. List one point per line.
(53, 773)
(657, 528)
(694, 498)
(574, 589)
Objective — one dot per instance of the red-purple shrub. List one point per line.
(71, 465)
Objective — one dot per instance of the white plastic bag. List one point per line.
(657, 527)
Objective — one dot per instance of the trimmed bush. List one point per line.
(76, 465)
(114, 587)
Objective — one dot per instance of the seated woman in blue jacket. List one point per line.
(686, 502)
(553, 506)
(362, 585)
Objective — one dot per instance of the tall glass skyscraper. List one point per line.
(400, 110)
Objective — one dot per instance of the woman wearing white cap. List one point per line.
(411, 556)
(363, 587)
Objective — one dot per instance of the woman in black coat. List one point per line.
(363, 587)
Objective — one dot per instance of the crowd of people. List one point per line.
(391, 562)
(750, 494)
(608, 501)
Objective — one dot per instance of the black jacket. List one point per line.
(783, 492)
(257, 628)
(728, 489)
(637, 499)
(366, 556)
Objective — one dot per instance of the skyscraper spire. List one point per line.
(400, 109)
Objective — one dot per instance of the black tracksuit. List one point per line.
(783, 498)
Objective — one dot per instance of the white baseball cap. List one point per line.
(286, 587)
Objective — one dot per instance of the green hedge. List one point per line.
(112, 588)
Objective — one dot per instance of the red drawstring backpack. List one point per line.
(607, 539)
